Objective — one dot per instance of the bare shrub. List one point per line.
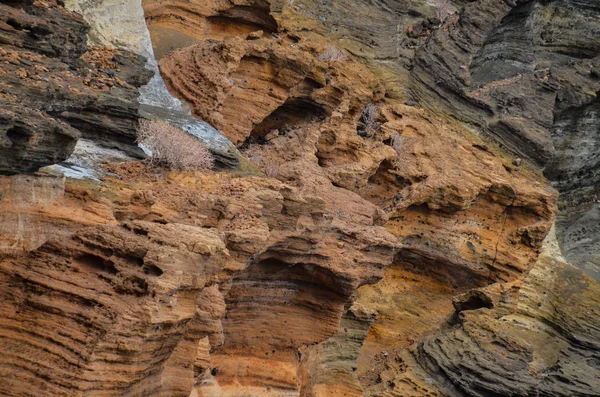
(369, 117)
(332, 53)
(270, 167)
(396, 142)
(172, 146)
(444, 9)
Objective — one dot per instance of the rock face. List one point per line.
(458, 216)
(394, 232)
(288, 95)
(55, 89)
(546, 343)
(145, 289)
(156, 269)
(574, 171)
(527, 72)
(121, 25)
(479, 222)
(488, 60)
(41, 140)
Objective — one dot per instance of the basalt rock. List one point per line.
(45, 28)
(30, 137)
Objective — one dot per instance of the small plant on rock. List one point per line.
(173, 147)
(271, 167)
(332, 54)
(368, 120)
(396, 142)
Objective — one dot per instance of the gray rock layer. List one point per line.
(52, 92)
(527, 73)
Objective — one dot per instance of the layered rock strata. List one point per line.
(375, 248)
(479, 222)
(485, 62)
(453, 215)
(156, 269)
(527, 74)
(121, 25)
(56, 89)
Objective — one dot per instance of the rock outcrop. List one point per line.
(527, 74)
(465, 214)
(119, 283)
(289, 96)
(120, 25)
(391, 233)
(546, 342)
(56, 89)
(489, 60)
(574, 171)
(156, 268)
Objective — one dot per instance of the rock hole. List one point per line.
(153, 270)
(294, 112)
(291, 290)
(140, 232)
(97, 263)
(40, 30)
(240, 20)
(327, 138)
(133, 286)
(14, 24)
(379, 183)
(19, 137)
(475, 300)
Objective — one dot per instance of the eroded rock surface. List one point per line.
(547, 344)
(471, 218)
(188, 263)
(527, 72)
(390, 235)
(574, 171)
(147, 279)
(55, 89)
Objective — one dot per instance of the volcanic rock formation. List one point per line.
(394, 231)
(54, 89)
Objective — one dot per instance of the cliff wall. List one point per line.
(416, 215)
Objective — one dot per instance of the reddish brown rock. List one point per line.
(166, 275)
(388, 252)
(105, 287)
(466, 217)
